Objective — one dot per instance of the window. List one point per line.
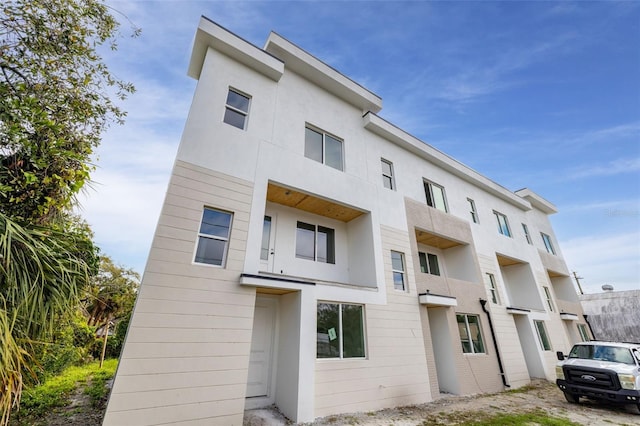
(315, 243)
(429, 263)
(237, 109)
(473, 211)
(323, 148)
(470, 335)
(387, 174)
(547, 295)
(542, 335)
(584, 334)
(526, 233)
(266, 236)
(493, 289)
(213, 237)
(397, 266)
(435, 196)
(340, 331)
(547, 243)
(503, 224)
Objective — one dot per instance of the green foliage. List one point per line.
(537, 417)
(112, 293)
(54, 101)
(56, 391)
(71, 345)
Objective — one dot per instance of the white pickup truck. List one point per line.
(606, 371)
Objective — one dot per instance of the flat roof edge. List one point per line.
(537, 201)
(211, 35)
(325, 76)
(386, 130)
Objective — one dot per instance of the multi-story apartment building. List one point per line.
(312, 255)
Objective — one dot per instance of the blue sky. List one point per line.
(544, 95)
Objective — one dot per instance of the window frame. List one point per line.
(341, 331)
(324, 136)
(229, 107)
(583, 332)
(431, 199)
(548, 245)
(473, 211)
(330, 242)
(544, 341)
(400, 272)
(493, 288)
(472, 349)
(507, 228)
(388, 177)
(547, 294)
(527, 236)
(426, 266)
(203, 235)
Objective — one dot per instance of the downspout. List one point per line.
(495, 344)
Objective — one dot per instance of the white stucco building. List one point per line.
(311, 255)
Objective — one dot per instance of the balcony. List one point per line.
(340, 238)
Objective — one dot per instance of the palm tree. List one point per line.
(42, 272)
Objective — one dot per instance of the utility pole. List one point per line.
(577, 278)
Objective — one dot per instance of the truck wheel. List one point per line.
(571, 398)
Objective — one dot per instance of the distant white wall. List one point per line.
(613, 316)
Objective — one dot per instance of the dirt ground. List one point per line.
(451, 410)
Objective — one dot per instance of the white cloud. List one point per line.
(614, 167)
(605, 259)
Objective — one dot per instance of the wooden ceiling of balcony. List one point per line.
(433, 240)
(508, 261)
(311, 203)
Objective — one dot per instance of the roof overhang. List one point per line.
(316, 71)
(311, 203)
(517, 311)
(537, 201)
(414, 145)
(435, 240)
(211, 35)
(437, 300)
(568, 317)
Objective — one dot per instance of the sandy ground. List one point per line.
(451, 410)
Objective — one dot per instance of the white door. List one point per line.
(262, 345)
(267, 248)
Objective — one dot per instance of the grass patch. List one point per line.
(56, 391)
(537, 417)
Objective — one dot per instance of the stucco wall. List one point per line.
(613, 315)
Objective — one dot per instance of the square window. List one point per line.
(470, 333)
(397, 266)
(213, 237)
(542, 335)
(429, 263)
(323, 148)
(387, 174)
(547, 243)
(237, 109)
(340, 331)
(435, 196)
(503, 224)
(315, 243)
